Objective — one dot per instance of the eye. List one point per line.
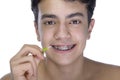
(49, 22)
(75, 22)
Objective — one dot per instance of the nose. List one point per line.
(62, 32)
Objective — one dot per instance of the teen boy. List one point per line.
(62, 26)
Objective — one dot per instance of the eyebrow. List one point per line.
(48, 16)
(68, 16)
(75, 14)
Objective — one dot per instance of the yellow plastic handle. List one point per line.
(44, 49)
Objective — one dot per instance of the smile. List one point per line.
(63, 47)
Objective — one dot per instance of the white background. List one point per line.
(16, 29)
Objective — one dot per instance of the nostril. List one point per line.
(62, 34)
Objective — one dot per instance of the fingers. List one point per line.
(25, 60)
(24, 65)
(27, 70)
(29, 49)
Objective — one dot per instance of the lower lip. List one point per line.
(63, 52)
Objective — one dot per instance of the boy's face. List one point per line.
(63, 24)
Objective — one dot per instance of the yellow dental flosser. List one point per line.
(45, 49)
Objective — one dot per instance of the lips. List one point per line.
(63, 47)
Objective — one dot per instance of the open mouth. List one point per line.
(63, 47)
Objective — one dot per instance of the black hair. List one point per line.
(90, 5)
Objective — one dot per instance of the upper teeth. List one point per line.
(63, 47)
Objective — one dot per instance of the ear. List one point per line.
(37, 31)
(91, 25)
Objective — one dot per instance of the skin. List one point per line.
(60, 23)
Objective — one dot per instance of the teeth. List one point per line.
(63, 48)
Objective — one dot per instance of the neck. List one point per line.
(73, 71)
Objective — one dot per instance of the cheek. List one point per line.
(46, 37)
(81, 38)
(80, 34)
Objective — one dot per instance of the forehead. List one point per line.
(61, 7)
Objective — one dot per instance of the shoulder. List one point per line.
(6, 77)
(111, 72)
(104, 71)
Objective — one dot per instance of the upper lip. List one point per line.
(62, 44)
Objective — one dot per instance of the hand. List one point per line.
(24, 66)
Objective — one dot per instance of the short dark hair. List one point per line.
(90, 5)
